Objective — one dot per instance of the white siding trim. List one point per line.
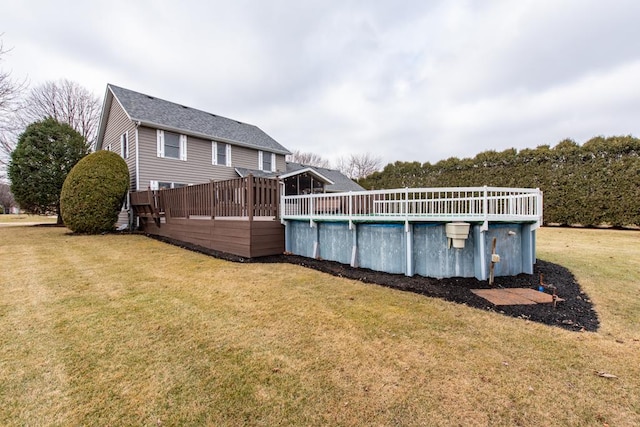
(160, 138)
(183, 147)
(153, 185)
(273, 162)
(228, 148)
(124, 145)
(214, 153)
(137, 162)
(260, 155)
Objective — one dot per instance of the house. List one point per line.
(168, 145)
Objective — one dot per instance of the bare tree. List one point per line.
(358, 166)
(309, 159)
(10, 92)
(67, 102)
(6, 198)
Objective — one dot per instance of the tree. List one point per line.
(6, 198)
(93, 193)
(359, 166)
(67, 102)
(309, 159)
(45, 153)
(10, 92)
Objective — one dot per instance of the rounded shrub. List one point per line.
(93, 193)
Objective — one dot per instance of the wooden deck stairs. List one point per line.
(146, 207)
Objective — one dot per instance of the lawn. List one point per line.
(125, 330)
(23, 218)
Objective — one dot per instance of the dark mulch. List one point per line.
(575, 313)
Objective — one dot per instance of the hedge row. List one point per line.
(597, 183)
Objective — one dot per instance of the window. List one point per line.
(124, 145)
(220, 153)
(172, 145)
(266, 161)
(161, 185)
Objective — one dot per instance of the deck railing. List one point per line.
(247, 197)
(475, 204)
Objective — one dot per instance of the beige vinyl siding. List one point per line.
(281, 165)
(117, 124)
(198, 167)
(243, 157)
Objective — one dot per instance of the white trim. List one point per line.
(154, 185)
(160, 142)
(214, 153)
(182, 142)
(273, 162)
(260, 155)
(124, 145)
(309, 171)
(137, 163)
(183, 148)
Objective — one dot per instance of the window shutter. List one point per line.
(273, 162)
(214, 153)
(228, 154)
(260, 160)
(124, 145)
(160, 137)
(183, 147)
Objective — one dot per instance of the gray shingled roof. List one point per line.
(157, 112)
(341, 183)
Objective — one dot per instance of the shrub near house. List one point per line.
(93, 193)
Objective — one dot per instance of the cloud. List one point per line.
(406, 80)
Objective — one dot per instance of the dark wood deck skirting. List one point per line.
(249, 239)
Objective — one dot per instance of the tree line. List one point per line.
(593, 184)
(63, 100)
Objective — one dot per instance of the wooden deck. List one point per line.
(239, 216)
(248, 239)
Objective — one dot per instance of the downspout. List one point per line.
(137, 171)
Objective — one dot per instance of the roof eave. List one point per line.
(106, 107)
(307, 170)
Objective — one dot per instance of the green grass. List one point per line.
(125, 330)
(25, 218)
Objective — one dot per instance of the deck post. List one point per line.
(249, 188)
(354, 245)
(527, 250)
(212, 191)
(287, 236)
(485, 209)
(408, 228)
(316, 240)
(479, 252)
(185, 202)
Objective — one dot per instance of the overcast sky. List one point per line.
(403, 80)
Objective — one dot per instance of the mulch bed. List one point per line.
(575, 313)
